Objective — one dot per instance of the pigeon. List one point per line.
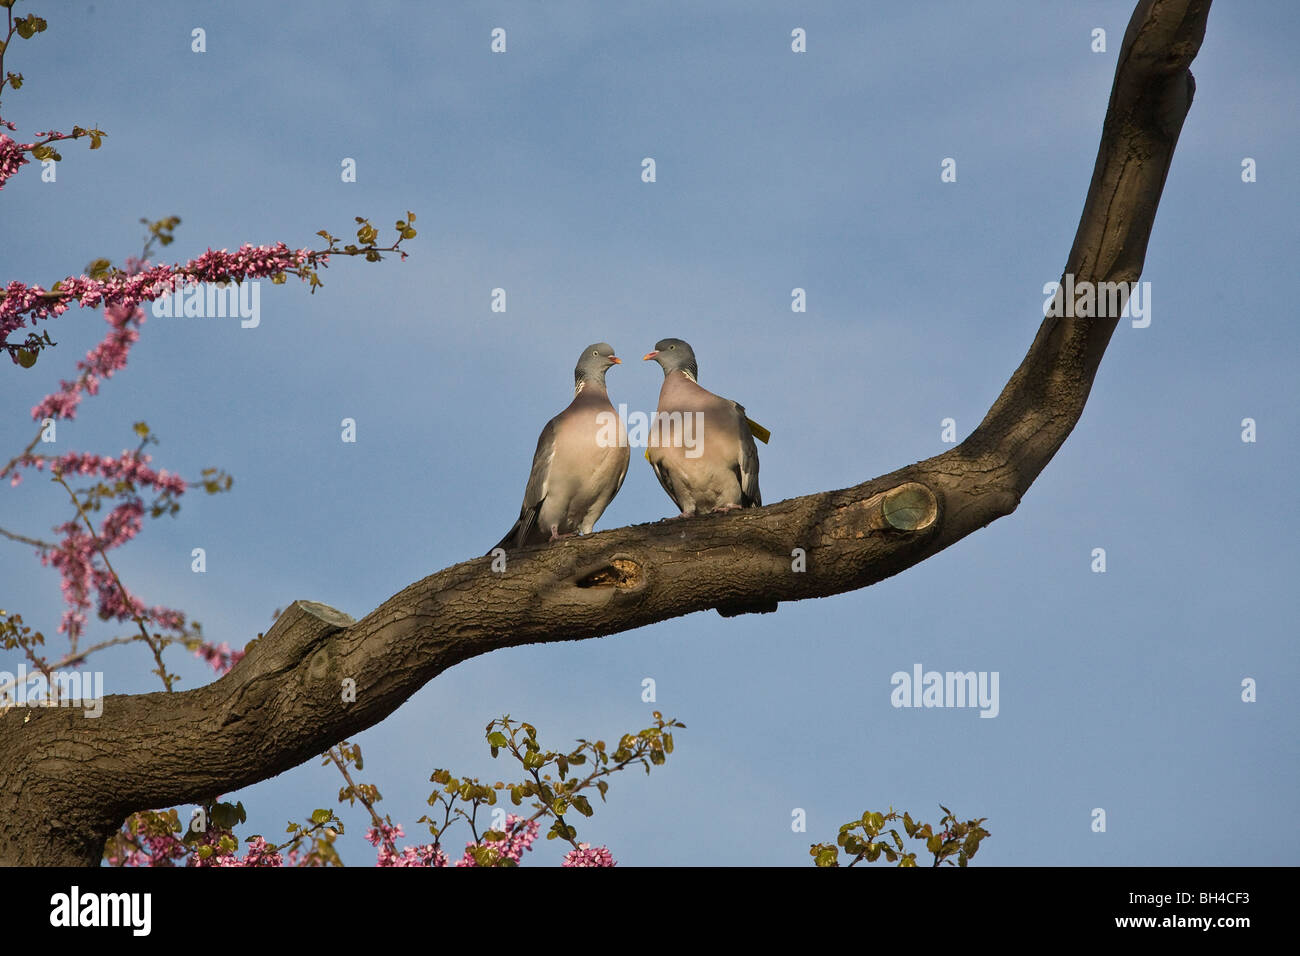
(702, 448)
(580, 462)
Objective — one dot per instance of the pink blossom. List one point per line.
(385, 833)
(103, 360)
(384, 837)
(220, 656)
(258, 854)
(154, 849)
(427, 854)
(75, 557)
(123, 293)
(130, 466)
(520, 834)
(12, 157)
(586, 855)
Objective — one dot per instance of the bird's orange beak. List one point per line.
(648, 356)
(616, 360)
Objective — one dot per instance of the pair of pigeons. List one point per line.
(578, 469)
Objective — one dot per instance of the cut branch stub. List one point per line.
(300, 626)
(909, 507)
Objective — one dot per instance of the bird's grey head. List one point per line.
(593, 363)
(674, 355)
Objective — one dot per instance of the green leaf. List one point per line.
(320, 816)
(224, 816)
(824, 855)
(533, 760)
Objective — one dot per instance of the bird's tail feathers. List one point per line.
(510, 541)
(519, 532)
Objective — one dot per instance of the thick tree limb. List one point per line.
(67, 782)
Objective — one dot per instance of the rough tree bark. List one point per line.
(67, 783)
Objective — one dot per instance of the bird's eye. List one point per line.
(595, 353)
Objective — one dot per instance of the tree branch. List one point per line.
(67, 783)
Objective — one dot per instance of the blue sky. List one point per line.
(775, 170)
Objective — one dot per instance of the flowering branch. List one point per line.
(21, 305)
(14, 155)
(128, 602)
